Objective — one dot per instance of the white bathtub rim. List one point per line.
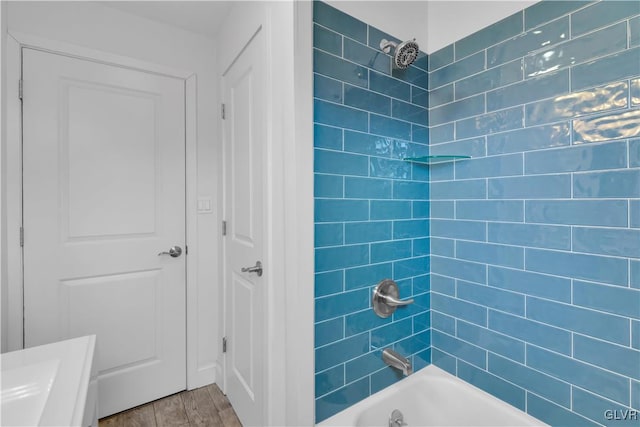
(350, 415)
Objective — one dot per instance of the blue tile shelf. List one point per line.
(432, 160)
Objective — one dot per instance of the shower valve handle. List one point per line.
(394, 302)
(386, 298)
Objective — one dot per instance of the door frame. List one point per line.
(248, 36)
(225, 145)
(289, 255)
(16, 41)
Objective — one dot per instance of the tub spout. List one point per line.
(397, 361)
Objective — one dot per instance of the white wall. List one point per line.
(95, 26)
(3, 244)
(402, 19)
(435, 24)
(450, 21)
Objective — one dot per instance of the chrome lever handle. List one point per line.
(255, 269)
(386, 299)
(174, 251)
(394, 302)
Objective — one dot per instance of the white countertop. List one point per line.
(52, 384)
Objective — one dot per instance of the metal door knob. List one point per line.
(255, 269)
(174, 251)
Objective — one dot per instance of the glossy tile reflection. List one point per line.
(602, 14)
(490, 79)
(546, 214)
(528, 90)
(635, 92)
(494, 33)
(529, 139)
(615, 126)
(608, 97)
(545, 35)
(613, 67)
(498, 121)
(599, 43)
(390, 168)
(540, 12)
(634, 31)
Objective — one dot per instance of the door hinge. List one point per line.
(224, 344)
(186, 250)
(224, 228)
(223, 112)
(20, 85)
(21, 237)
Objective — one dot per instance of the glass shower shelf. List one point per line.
(432, 160)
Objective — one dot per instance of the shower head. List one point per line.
(405, 52)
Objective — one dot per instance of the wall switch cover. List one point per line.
(205, 205)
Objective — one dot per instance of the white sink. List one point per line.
(53, 384)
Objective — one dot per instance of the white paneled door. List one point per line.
(244, 140)
(104, 196)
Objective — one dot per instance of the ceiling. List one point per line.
(434, 23)
(201, 17)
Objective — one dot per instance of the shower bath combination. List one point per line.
(405, 52)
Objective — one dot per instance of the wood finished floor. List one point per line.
(205, 406)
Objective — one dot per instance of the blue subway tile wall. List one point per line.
(535, 248)
(371, 209)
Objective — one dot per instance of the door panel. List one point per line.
(243, 152)
(243, 361)
(110, 142)
(90, 301)
(244, 138)
(104, 194)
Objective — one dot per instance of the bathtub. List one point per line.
(432, 397)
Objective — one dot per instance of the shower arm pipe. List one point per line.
(386, 45)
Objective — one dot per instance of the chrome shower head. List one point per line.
(405, 52)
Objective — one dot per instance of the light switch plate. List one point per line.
(205, 205)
